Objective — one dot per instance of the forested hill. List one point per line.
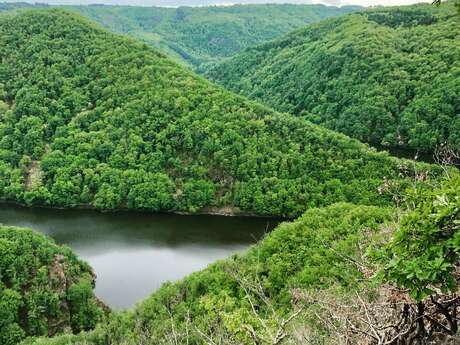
(202, 34)
(327, 278)
(12, 6)
(387, 76)
(95, 119)
(44, 288)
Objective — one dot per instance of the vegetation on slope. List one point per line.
(202, 34)
(197, 35)
(90, 118)
(389, 77)
(310, 281)
(13, 6)
(424, 253)
(44, 288)
(233, 300)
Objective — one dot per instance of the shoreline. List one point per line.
(224, 211)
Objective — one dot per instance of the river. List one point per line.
(133, 253)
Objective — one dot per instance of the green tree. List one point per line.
(424, 252)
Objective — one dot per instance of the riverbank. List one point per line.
(225, 211)
(133, 253)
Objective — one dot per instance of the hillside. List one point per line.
(316, 280)
(389, 77)
(198, 35)
(13, 6)
(88, 118)
(44, 288)
(218, 299)
(93, 119)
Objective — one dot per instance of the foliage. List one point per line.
(217, 301)
(198, 35)
(424, 253)
(13, 6)
(85, 313)
(389, 77)
(39, 283)
(316, 263)
(93, 119)
(98, 120)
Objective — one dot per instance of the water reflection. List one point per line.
(133, 253)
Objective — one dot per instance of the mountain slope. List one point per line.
(90, 118)
(388, 77)
(44, 288)
(12, 6)
(243, 300)
(317, 280)
(202, 34)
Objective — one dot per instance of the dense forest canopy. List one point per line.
(44, 288)
(91, 118)
(196, 35)
(387, 76)
(12, 6)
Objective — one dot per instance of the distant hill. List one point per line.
(203, 34)
(89, 118)
(387, 76)
(8, 6)
(197, 35)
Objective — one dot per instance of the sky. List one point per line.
(175, 3)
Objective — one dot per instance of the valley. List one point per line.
(197, 36)
(113, 124)
(388, 77)
(218, 176)
(134, 253)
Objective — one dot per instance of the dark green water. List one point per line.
(134, 253)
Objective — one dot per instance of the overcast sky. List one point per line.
(176, 3)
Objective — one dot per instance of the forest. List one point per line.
(369, 249)
(102, 121)
(200, 35)
(300, 284)
(44, 289)
(388, 77)
(196, 36)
